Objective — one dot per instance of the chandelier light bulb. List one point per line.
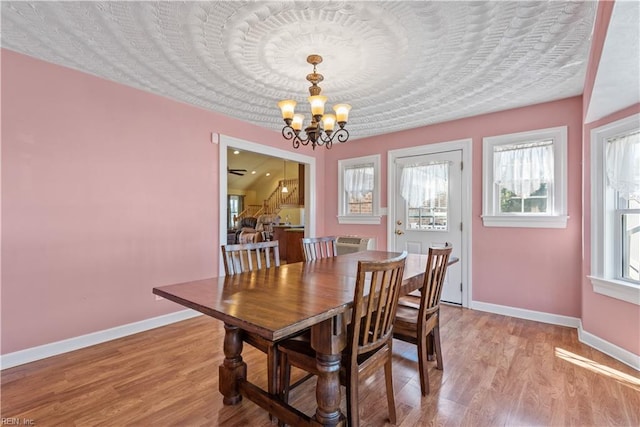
(342, 112)
(286, 107)
(317, 104)
(284, 178)
(328, 122)
(296, 124)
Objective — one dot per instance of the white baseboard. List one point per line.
(521, 313)
(21, 357)
(618, 353)
(584, 337)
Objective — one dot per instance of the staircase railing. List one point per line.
(276, 200)
(250, 210)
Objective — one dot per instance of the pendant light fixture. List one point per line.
(321, 130)
(284, 179)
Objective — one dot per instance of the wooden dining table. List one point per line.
(281, 302)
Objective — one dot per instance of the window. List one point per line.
(426, 191)
(525, 179)
(615, 209)
(234, 209)
(627, 218)
(359, 190)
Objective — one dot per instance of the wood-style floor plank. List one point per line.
(498, 371)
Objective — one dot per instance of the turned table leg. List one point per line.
(233, 369)
(328, 339)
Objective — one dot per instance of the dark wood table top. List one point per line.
(282, 301)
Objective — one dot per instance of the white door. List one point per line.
(430, 212)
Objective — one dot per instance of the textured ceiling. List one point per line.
(617, 82)
(400, 64)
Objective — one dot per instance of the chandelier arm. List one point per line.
(341, 135)
(291, 135)
(302, 141)
(288, 132)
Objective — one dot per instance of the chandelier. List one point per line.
(321, 130)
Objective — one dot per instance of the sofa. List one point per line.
(254, 230)
(247, 226)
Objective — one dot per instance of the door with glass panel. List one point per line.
(429, 210)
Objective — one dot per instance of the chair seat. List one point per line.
(299, 348)
(409, 301)
(408, 313)
(405, 326)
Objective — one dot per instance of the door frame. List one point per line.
(226, 141)
(466, 146)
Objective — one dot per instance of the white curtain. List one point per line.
(358, 181)
(522, 169)
(623, 165)
(420, 183)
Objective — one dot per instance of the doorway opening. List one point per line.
(308, 216)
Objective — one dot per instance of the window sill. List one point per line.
(617, 289)
(364, 219)
(526, 221)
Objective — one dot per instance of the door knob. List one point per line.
(399, 232)
(399, 222)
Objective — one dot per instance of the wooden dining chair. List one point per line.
(418, 317)
(243, 257)
(369, 335)
(315, 248)
(239, 258)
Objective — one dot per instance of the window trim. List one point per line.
(373, 219)
(559, 217)
(603, 277)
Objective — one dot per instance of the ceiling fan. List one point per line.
(239, 172)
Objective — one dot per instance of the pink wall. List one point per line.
(107, 191)
(534, 269)
(610, 319)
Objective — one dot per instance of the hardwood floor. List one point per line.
(498, 371)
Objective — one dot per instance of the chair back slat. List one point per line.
(315, 248)
(435, 273)
(250, 256)
(373, 312)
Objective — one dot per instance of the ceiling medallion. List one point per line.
(321, 130)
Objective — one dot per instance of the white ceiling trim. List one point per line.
(617, 82)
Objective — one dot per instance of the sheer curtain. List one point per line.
(420, 183)
(623, 165)
(358, 181)
(523, 168)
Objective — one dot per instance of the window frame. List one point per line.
(343, 216)
(604, 250)
(558, 217)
